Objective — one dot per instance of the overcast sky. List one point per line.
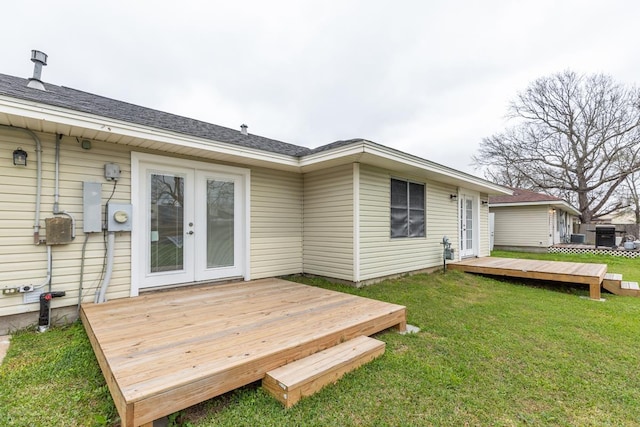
(430, 78)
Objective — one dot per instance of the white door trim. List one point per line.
(474, 196)
(138, 233)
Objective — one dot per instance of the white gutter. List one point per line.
(557, 203)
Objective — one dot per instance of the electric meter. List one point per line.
(121, 217)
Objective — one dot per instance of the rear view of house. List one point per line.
(103, 199)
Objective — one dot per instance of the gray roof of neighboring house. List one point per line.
(64, 97)
(523, 196)
(527, 197)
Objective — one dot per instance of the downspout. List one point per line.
(36, 225)
(56, 195)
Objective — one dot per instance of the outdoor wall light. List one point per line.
(19, 157)
(453, 196)
(485, 202)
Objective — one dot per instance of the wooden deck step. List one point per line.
(613, 283)
(304, 377)
(614, 277)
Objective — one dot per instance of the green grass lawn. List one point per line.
(490, 353)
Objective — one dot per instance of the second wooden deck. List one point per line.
(162, 352)
(555, 271)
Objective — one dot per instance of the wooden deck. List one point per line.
(555, 271)
(165, 351)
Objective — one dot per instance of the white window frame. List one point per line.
(408, 234)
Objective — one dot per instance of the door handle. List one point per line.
(190, 232)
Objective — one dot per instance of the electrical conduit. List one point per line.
(100, 296)
(56, 194)
(36, 225)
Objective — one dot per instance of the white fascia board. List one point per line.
(554, 204)
(44, 112)
(439, 169)
(367, 147)
(569, 208)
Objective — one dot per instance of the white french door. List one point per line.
(191, 222)
(468, 221)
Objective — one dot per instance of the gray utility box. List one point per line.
(59, 230)
(577, 238)
(91, 207)
(119, 217)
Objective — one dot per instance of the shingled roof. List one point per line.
(64, 97)
(84, 103)
(523, 196)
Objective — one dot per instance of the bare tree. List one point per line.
(630, 196)
(575, 136)
(634, 199)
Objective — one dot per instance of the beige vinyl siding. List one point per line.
(521, 226)
(22, 262)
(485, 242)
(276, 223)
(328, 222)
(382, 256)
(276, 214)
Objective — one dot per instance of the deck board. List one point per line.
(556, 271)
(164, 351)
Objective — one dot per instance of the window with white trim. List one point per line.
(407, 209)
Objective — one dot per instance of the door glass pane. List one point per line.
(469, 222)
(166, 222)
(220, 223)
(463, 241)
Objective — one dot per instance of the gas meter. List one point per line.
(447, 252)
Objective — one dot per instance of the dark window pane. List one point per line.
(416, 194)
(399, 223)
(398, 194)
(416, 223)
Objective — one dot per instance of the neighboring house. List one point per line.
(526, 220)
(206, 203)
(625, 216)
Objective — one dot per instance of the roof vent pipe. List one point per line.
(39, 60)
(243, 129)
